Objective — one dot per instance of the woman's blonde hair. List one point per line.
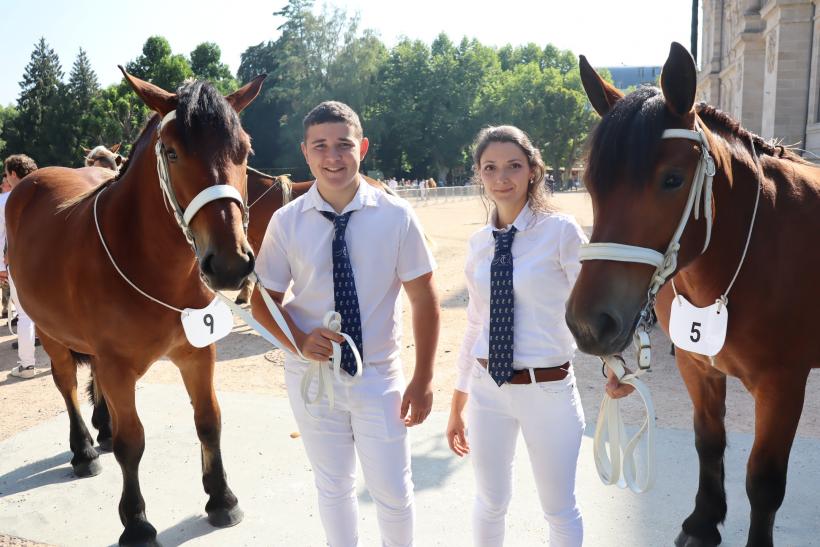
(536, 191)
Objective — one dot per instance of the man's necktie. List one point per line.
(344, 290)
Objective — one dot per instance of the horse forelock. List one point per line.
(206, 120)
(625, 142)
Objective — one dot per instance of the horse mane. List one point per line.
(625, 142)
(203, 113)
(723, 123)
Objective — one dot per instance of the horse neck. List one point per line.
(705, 277)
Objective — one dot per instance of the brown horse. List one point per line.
(639, 180)
(86, 311)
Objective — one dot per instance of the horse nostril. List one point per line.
(207, 264)
(608, 326)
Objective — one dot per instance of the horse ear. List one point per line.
(679, 80)
(243, 96)
(602, 95)
(86, 151)
(155, 97)
(114, 148)
(118, 160)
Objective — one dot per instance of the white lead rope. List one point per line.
(629, 462)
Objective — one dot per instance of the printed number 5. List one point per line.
(209, 322)
(695, 337)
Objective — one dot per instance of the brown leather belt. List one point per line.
(549, 374)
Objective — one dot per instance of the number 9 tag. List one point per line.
(206, 326)
(699, 330)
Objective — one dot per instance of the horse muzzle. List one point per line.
(227, 271)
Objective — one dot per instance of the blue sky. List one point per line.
(630, 32)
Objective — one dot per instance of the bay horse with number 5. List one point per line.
(639, 179)
(87, 312)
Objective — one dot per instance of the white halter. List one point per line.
(666, 264)
(209, 194)
(619, 466)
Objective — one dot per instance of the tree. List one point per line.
(206, 65)
(81, 125)
(35, 129)
(159, 66)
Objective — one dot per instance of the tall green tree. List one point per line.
(36, 129)
(82, 90)
(206, 64)
(159, 65)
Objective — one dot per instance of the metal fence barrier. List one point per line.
(439, 194)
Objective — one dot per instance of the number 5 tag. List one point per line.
(206, 326)
(699, 330)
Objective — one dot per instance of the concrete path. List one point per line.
(41, 500)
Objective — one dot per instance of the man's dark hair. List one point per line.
(333, 112)
(20, 164)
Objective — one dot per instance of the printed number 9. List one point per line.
(209, 321)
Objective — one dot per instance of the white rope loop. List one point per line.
(620, 464)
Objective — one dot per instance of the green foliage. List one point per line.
(421, 104)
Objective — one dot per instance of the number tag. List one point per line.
(206, 326)
(699, 330)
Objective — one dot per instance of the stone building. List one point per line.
(760, 63)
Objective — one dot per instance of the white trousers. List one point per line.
(25, 330)
(551, 419)
(365, 421)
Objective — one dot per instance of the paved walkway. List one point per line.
(41, 500)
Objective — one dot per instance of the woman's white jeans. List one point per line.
(25, 331)
(365, 420)
(551, 419)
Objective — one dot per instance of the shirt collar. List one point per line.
(365, 196)
(522, 222)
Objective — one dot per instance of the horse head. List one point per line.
(647, 159)
(100, 156)
(201, 153)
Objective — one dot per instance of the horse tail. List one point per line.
(287, 188)
(92, 389)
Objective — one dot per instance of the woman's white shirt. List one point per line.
(545, 267)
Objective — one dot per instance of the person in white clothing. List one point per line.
(515, 360)
(14, 169)
(349, 247)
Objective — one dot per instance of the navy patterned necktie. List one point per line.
(344, 290)
(502, 308)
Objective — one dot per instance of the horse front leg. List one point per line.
(85, 460)
(245, 292)
(778, 405)
(707, 389)
(197, 369)
(119, 387)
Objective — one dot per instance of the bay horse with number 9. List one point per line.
(86, 311)
(647, 154)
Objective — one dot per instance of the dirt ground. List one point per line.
(247, 364)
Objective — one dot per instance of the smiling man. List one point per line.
(350, 247)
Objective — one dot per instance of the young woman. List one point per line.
(515, 361)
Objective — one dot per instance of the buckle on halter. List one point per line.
(711, 169)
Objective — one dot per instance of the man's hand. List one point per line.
(614, 388)
(316, 345)
(417, 402)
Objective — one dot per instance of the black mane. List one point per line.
(203, 113)
(624, 144)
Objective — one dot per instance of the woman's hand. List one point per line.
(614, 388)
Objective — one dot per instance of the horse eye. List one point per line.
(172, 155)
(672, 181)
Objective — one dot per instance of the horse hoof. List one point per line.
(139, 534)
(225, 518)
(90, 468)
(105, 445)
(685, 540)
